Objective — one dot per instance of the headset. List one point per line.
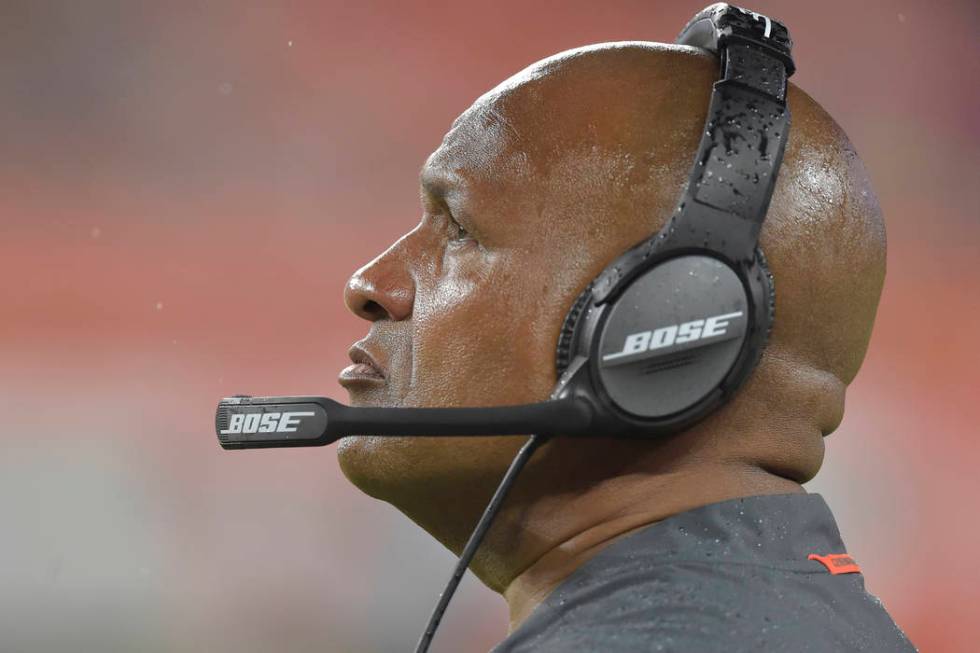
(662, 337)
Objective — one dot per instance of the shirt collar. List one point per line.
(772, 530)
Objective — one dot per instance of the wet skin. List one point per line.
(534, 189)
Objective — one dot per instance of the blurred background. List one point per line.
(185, 188)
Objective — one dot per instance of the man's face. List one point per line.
(464, 309)
(450, 320)
(522, 206)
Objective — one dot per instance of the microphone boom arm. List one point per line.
(244, 422)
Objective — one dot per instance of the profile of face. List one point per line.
(534, 190)
(465, 308)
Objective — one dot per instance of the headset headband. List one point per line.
(727, 194)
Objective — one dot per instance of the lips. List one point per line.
(364, 368)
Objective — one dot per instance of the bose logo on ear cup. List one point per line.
(675, 334)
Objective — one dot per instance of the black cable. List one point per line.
(527, 450)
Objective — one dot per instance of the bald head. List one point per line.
(535, 189)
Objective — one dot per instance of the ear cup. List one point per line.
(673, 337)
(566, 338)
(661, 320)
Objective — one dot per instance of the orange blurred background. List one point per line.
(184, 189)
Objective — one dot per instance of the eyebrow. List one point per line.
(433, 180)
(437, 182)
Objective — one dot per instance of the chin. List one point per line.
(401, 470)
(364, 462)
(386, 468)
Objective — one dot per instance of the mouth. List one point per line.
(364, 369)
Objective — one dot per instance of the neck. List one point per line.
(614, 508)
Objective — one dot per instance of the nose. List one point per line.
(383, 289)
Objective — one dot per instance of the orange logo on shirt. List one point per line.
(837, 563)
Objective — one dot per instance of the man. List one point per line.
(697, 542)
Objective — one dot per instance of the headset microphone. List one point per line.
(668, 331)
(245, 422)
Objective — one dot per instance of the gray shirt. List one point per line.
(732, 576)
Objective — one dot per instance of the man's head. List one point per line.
(534, 190)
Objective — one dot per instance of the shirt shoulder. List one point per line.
(722, 592)
(694, 606)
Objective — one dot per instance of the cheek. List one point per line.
(481, 337)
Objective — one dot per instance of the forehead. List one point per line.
(492, 139)
(482, 145)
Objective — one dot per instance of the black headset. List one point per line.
(671, 329)
(664, 335)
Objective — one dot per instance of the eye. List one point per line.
(458, 233)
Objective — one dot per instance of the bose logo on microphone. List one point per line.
(675, 334)
(264, 422)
